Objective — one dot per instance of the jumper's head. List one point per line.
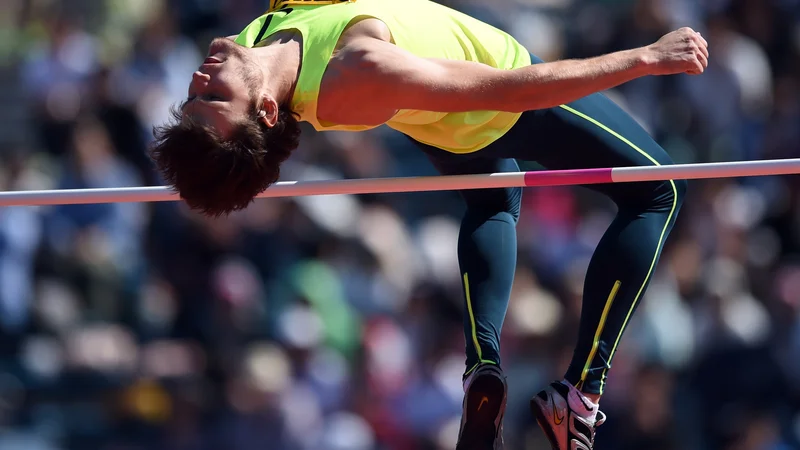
(226, 142)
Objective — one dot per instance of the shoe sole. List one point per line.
(483, 405)
(544, 424)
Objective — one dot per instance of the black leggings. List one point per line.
(590, 133)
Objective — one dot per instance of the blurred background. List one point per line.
(335, 323)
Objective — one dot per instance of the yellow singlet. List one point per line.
(424, 28)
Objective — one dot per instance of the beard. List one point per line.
(253, 78)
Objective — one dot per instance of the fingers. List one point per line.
(700, 56)
(694, 35)
(703, 58)
(685, 50)
(699, 66)
(700, 50)
(702, 46)
(703, 40)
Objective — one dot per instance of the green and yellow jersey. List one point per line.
(422, 27)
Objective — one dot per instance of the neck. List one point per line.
(280, 66)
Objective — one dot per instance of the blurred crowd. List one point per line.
(335, 323)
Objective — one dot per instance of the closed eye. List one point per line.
(207, 98)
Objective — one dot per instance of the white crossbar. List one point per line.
(420, 184)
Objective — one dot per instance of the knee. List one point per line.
(663, 197)
(514, 203)
(485, 203)
(668, 196)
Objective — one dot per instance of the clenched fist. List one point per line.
(682, 51)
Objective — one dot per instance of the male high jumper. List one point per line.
(474, 100)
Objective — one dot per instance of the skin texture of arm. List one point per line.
(385, 78)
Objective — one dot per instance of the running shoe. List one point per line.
(484, 406)
(564, 427)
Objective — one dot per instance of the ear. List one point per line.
(268, 114)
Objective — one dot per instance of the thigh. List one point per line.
(592, 132)
(489, 200)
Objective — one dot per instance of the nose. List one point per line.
(201, 77)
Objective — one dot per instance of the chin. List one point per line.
(222, 45)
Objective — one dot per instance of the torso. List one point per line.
(330, 84)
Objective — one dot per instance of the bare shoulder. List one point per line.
(360, 41)
(351, 71)
(370, 28)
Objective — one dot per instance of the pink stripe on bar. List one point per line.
(568, 177)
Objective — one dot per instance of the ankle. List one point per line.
(581, 403)
(595, 398)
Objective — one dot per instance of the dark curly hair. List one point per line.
(217, 175)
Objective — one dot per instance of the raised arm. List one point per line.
(384, 77)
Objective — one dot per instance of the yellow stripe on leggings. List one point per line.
(472, 319)
(660, 239)
(596, 341)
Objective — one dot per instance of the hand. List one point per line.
(682, 51)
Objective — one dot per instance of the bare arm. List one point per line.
(466, 86)
(385, 77)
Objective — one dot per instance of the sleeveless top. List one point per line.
(424, 28)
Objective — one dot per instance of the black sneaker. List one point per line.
(483, 410)
(565, 429)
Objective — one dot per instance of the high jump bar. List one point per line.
(427, 183)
